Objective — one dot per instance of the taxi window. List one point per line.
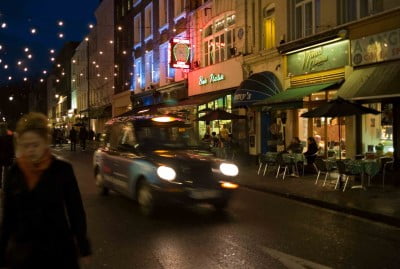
(116, 133)
(127, 138)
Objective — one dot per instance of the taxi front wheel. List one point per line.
(146, 199)
(100, 184)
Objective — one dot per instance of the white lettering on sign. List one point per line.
(242, 96)
(211, 79)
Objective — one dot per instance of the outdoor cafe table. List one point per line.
(362, 167)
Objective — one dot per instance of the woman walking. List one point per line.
(43, 223)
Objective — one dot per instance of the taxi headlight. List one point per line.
(166, 173)
(229, 169)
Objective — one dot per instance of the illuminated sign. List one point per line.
(211, 79)
(376, 48)
(179, 53)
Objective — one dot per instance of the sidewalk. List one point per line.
(374, 203)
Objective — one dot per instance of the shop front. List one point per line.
(375, 82)
(257, 87)
(313, 75)
(212, 88)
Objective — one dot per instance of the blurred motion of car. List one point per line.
(158, 160)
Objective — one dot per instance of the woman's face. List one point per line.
(32, 146)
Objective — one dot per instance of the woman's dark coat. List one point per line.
(44, 227)
(311, 153)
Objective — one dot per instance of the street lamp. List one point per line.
(283, 120)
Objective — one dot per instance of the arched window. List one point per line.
(269, 26)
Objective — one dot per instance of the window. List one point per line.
(351, 10)
(127, 139)
(269, 27)
(137, 25)
(163, 12)
(148, 22)
(179, 7)
(304, 18)
(165, 71)
(219, 46)
(149, 70)
(138, 74)
(128, 4)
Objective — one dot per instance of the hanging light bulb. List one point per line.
(52, 59)
(26, 49)
(1, 47)
(60, 23)
(119, 28)
(3, 25)
(26, 69)
(52, 51)
(30, 56)
(19, 62)
(91, 26)
(45, 72)
(10, 78)
(111, 41)
(58, 65)
(33, 31)
(86, 39)
(6, 66)
(41, 80)
(61, 35)
(25, 79)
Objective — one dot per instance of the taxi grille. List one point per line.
(200, 174)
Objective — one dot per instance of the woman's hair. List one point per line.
(33, 122)
(312, 140)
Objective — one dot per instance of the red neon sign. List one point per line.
(179, 53)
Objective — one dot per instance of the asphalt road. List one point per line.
(258, 231)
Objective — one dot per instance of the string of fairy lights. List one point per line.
(23, 63)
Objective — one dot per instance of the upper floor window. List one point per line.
(163, 12)
(303, 17)
(351, 10)
(166, 73)
(137, 26)
(138, 81)
(269, 27)
(149, 68)
(148, 20)
(179, 7)
(219, 41)
(128, 4)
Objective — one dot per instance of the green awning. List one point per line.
(295, 94)
(374, 82)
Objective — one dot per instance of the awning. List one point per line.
(375, 82)
(297, 94)
(257, 87)
(204, 98)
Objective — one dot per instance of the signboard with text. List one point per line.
(179, 53)
(376, 48)
(319, 59)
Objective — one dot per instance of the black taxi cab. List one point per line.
(157, 160)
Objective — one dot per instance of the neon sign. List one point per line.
(179, 53)
(211, 79)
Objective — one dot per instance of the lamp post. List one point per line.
(283, 120)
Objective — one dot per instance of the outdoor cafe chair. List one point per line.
(343, 171)
(322, 168)
(387, 163)
(283, 161)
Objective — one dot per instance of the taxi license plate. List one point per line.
(204, 194)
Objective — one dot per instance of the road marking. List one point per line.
(293, 262)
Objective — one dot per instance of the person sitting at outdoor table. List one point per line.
(214, 140)
(312, 150)
(295, 146)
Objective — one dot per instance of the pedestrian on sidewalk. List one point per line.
(73, 137)
(6, 151)
(83, 135)
(311, 153)
(43, 221)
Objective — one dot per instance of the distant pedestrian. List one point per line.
(6, 151)
(83, 135)
(73, 137)
(43, 221)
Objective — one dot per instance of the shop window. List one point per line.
(179, 7)
(269, 27)
(351, 10)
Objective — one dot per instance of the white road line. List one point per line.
(292, 262)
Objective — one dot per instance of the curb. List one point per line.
(393, 221)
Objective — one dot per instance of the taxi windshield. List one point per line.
(155, 137)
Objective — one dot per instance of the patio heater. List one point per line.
(283, 120)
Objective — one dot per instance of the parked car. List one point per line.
(159, 160)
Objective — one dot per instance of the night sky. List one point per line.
(43, 15)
